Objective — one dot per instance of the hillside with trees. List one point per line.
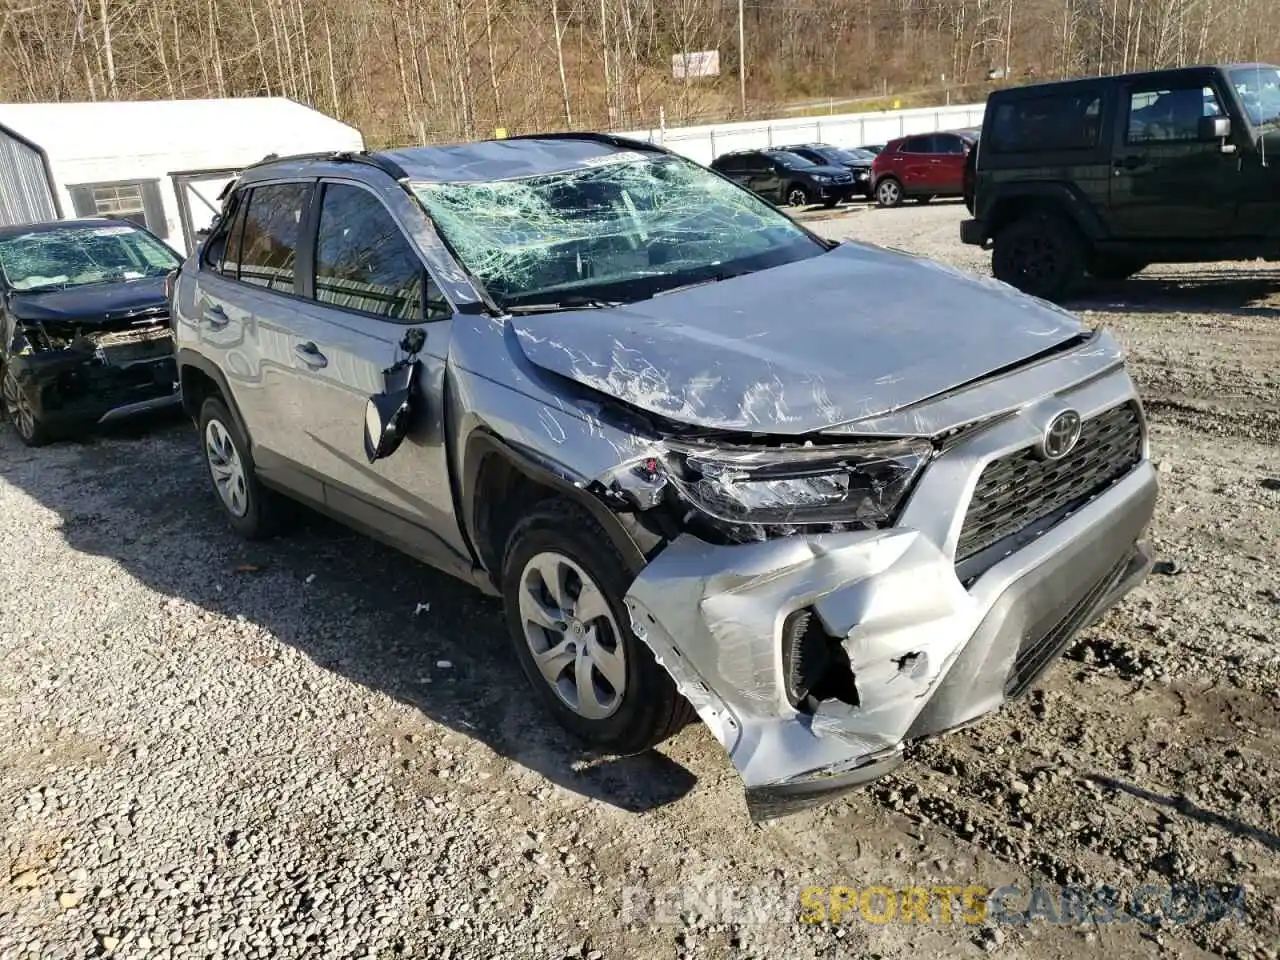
(434, 70)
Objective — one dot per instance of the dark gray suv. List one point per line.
(829, 497)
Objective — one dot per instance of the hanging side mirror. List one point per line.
(389, 415)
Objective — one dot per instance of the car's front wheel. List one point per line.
(889, 192)
(563, 586)
(17, 407)
(1040, 254)
(253, 511)
(798, 196)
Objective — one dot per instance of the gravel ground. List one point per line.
(315, 747)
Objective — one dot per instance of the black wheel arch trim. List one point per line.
(1000, 210)
(482, 444)
(198, 361)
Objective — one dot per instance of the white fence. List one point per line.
(705, 143)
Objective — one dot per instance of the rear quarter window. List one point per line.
(1069, 121)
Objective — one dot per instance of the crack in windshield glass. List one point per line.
(623, 228)
(78, 256)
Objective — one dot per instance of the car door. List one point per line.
(367, 287)
(737, 169)
(763, 177)
(1165, 180)
(912, 164)
(246, 306)
(947, 163)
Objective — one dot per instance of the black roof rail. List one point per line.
(385, 164)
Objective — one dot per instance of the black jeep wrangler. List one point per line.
(1107, 175)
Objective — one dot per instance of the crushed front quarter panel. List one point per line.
(713, 615)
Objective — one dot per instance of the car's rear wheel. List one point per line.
(1115, 268)
(1040, 254)
(18, 409)
(253, 511)
(889, 192)
(798, 196)
(563, 586)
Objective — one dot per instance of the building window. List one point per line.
(138, 202)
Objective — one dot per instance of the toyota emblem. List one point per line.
(1060, 436)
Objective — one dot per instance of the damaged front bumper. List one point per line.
(926, 651)
(98, 380)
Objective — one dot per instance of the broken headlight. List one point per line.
(857, 484)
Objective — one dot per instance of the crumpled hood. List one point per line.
(856, 332)
(98, 302)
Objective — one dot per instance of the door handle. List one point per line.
(310, 354)
(215, 317)
(1130, 162)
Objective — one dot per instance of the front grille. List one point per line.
(1020, 490)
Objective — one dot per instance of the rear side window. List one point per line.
(365, 263)
(1070, 121)
(269, 241)
(917, 145)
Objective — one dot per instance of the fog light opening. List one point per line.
(815, 666)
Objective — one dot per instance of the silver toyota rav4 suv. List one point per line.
(830, 497)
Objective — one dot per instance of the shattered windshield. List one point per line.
(1259, 92)
(77, 256)
(627, 227)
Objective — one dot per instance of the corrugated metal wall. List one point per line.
(26, 196)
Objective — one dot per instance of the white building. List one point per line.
(160, 163)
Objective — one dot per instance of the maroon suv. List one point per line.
(921, 167)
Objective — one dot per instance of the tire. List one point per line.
(257, 512)
(1041, 254)
(18, 411)
(889, 192)
(561, 542)
(1115, 269)
(798, 196)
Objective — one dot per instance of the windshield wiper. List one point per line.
(567, 303)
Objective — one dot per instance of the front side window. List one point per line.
(364, 263)
(269, 239)
(1170, 115)
(625, 228)
(78, 256)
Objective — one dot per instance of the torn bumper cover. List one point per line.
(98, 375)
(923, 643)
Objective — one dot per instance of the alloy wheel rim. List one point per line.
(226, 468)
(573, 636)
(17, 408)
(889, 192)
(798, 198)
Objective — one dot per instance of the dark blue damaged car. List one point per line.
(84, 325)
